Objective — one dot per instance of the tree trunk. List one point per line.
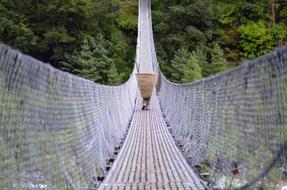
(273, 13)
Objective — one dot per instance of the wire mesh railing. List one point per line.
(57, 130)
(232, 127)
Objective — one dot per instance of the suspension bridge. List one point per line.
(59, 131)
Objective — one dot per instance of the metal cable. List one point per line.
(233, 125)
(57, 130)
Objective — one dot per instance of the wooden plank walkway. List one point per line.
(149, 158)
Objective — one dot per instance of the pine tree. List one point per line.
(202, 58)
(82, 62)
(92, 61)
(185, 66)
(119, 51)
(192, 70)
(218, 62)
(113, 77)
(15, 29)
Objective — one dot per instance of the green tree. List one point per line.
(63, 24)
(256, 39)
(127, 15)
(48, 30)
(218, 62)
(119, 52)
(185, 66)
(92, 61)
(282, 15)
(15, 30)
(192, 69)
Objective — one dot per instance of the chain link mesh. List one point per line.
(56, 130)
(233, 124)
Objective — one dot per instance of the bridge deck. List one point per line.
(149, 158)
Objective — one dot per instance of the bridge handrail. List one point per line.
(56, 129)
(239, 113)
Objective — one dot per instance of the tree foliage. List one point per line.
(256, 39)
(241, 29)
(92, 61)
(186, 66)
(61, 31)
(218, 62)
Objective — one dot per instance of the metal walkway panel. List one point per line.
(149, 158)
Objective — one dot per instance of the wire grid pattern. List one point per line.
(238, 118)
(56, 129)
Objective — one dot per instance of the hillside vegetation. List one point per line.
(96, 39)
(199, 38)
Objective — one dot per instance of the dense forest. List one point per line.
(96, 39)
(198, 38)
